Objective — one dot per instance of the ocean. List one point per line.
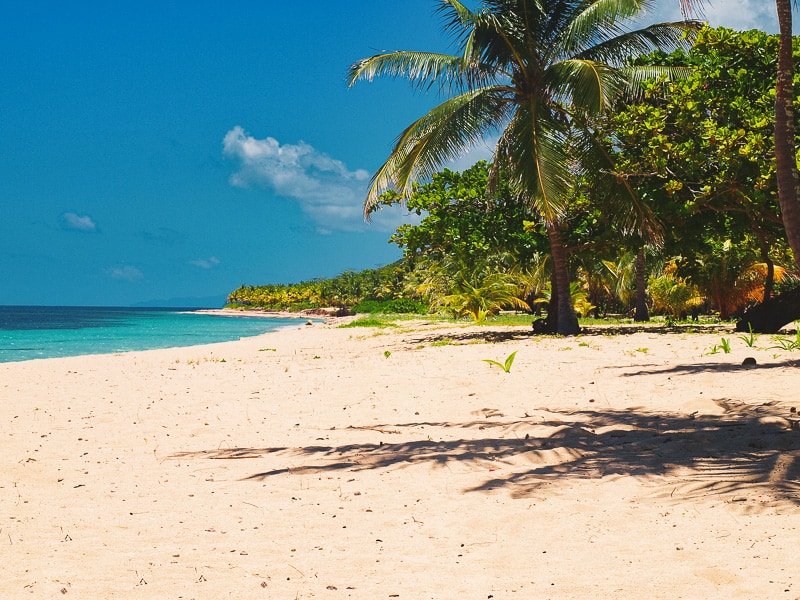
(30, 332)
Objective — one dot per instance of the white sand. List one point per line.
(307, 464)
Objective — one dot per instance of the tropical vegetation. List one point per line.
(694, 156)
(535, 74)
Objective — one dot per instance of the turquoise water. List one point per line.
(29, 332)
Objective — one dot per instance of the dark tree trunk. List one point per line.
(552, 306)
(548, 324)
(641, 314)
(773, 314)
(566, 321)
(769, 281)
(785, 154)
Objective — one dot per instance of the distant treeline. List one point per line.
(368, 291)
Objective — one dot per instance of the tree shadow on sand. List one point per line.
(747, 451)
(694, 369)
(519, 333)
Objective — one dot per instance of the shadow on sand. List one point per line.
(521, 333)
(746, 451)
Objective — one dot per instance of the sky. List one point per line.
(167, 152)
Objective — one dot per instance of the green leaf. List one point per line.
(506, 366)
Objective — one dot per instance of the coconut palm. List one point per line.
(530, 73)
(477, 291)
(673, 295)
(785, 153)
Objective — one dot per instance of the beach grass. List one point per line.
(514, 319)
(381, 321)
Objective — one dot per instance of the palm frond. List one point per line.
(596, 21)
(588, 85)
(622, 276)
(660, 36)
(535, 275)
(691, 8)
(441, 135)
(533, 155)
(456, 18)
(423, 69)
(499, 43)
(462, 24)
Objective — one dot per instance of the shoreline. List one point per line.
(21, 344)
(325, 462)
(310, 316)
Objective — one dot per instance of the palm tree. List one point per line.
(531, 73)
(477, 290)
(785, 153)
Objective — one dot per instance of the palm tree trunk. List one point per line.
(769, 280)
(552, 306)
(566, 321)
(641, 314)
(785, 154)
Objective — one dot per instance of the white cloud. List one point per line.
(481, 151)
(71, 220)
(327, 191)
(743, 14)
(205, 263)
(734, 14)
(125, 273)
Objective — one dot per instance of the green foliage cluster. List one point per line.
(672, 295)
(465, 223)
(344, 290)
(468, 254)
(393, 306)
(700, 151)
(694, 152)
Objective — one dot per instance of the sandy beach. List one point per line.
(322, 462)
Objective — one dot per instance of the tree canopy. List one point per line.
(531, 72)
(694, 154)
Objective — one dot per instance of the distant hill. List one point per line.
(190, 302)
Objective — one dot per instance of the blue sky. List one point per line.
(160, 150)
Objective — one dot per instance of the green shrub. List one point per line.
(405, 305)
(367, 307)
(395, 306)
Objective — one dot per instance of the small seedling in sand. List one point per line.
(787, 344)
(267, 349)
(750, 338)
(442, 342)
(714, 349)
(643, 350)
(387, 354)
(506, 366)
(725, 344)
